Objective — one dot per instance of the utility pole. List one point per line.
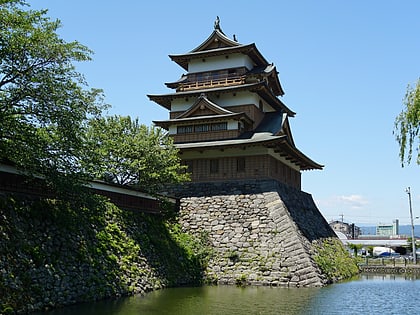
(342, 224)
(413, 240)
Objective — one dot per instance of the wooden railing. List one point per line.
(196, 85)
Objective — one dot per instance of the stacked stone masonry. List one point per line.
(261, 231)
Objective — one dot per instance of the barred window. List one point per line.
(202, 128)
(219, 126)
(184, 129)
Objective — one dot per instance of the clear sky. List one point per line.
(344, 66)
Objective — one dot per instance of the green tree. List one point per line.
(355, 247)
(45, 104)
(407, 125)
(130, 153)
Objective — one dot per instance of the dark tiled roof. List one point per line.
(265, 135)
(249, 50)
(260, 87)
(203, 100)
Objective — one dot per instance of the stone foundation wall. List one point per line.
(261, 231)
(53, 254)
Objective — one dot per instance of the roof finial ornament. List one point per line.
(234, 38)
(217, 23)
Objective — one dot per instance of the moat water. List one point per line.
(366, 294)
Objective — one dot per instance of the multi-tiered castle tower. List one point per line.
(233, 132)
(226, 116)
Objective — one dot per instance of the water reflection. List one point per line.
(233, 300)
(370, 294)
(217, 300)
(367, 294)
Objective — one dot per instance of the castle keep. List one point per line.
(226, 117)
(233, 133)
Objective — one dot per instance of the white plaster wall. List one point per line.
(181, 104)
(232, 125)
(224, 100)
(220, 63)
(227, 99)
(172, 130)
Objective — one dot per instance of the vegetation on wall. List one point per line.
(333, 259)
(53, 254)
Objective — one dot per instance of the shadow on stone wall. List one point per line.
(262, 231)
(300, 204)
(53, 254)
(305, 213)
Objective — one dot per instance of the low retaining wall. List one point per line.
(390, 269)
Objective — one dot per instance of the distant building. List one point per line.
(388, 229)
(351, 231)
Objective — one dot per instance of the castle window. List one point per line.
(214, 166)
(232, 72)
(184, 129)
(201, 128)
(240, 164)
(219, 126)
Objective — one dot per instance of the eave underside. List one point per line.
(213, 118)
(260, 88)
(278, 143)
(249, 50)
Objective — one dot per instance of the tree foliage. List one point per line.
(355, 247)
(45, 103)
(407, 125)
(130, 153)
(50, 120)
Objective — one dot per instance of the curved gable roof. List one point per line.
(250, 50)
(203, 102)
(219, 44)
(217, 39)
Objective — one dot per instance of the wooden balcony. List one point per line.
(211, 83)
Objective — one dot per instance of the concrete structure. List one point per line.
(388, 229)
(350, 231)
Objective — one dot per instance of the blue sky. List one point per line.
(344, 66)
